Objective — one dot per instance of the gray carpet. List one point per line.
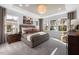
(19, 48)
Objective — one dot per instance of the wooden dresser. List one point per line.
(13, 38)
(73, 43)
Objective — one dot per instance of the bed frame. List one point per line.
(35, 39)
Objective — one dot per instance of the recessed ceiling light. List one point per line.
(20, 5)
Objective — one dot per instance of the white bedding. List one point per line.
(29, 35)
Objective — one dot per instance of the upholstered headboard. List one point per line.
(25, 26)
(28, 28)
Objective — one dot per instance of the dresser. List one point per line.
(73, 43)
(13, 38)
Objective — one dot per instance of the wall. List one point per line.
(69, 8)
(72, 7)
(20, 17)
(36, 22)
(54, 33)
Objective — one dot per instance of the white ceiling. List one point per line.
(51, 8)
(16, 11)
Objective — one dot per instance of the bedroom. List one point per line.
(46, 22)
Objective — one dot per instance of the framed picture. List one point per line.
(52, 24)
(27, 20)
(62, 28)
(9, 28)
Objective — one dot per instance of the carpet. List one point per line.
(46, 48)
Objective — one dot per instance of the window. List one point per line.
(10, 27)
(63, 28)
(72, 15)
(63, 24)
(52, 24)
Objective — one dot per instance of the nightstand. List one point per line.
(73, 43)
(13, 38)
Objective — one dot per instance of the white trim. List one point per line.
(59, 41)
(54, 51)
(64, 12)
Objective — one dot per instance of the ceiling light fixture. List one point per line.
(41, 9)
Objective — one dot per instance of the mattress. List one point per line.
(28, 36)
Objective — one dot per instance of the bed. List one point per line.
(32, 37)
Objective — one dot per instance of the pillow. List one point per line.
(25, 30)
(28, 31)
(35, 30)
